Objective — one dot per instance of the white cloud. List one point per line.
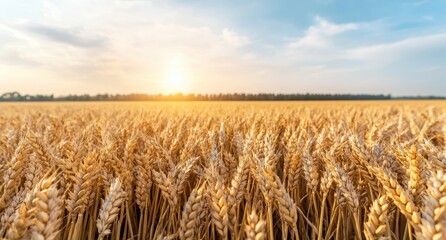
(122, 46)
(319, 35)
(234, 38)
(398, 49)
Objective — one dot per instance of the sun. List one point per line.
(177, 79)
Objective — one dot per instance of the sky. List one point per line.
(165, 46)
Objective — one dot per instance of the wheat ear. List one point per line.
(110, 208)
(47, 211)
(191, 214)
(376, 225)
(255, 227)
(434, 211)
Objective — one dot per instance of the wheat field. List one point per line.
(231, 170)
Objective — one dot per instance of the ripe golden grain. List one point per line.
(313, 170)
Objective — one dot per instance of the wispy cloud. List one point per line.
(399, 49)
(15, 56)
(67, 36)
(319, 34)
(234, 38)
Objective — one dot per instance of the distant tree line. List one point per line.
(15, 96)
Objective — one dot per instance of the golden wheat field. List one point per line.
(223, 170)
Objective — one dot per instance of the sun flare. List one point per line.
(176, 75)
(176, 80)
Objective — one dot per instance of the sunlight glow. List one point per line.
(176, 76)
(176, 80)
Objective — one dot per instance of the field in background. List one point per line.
(223, 170)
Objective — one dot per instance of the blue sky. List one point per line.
(324, 46)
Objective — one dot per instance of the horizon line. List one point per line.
(16, 96)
